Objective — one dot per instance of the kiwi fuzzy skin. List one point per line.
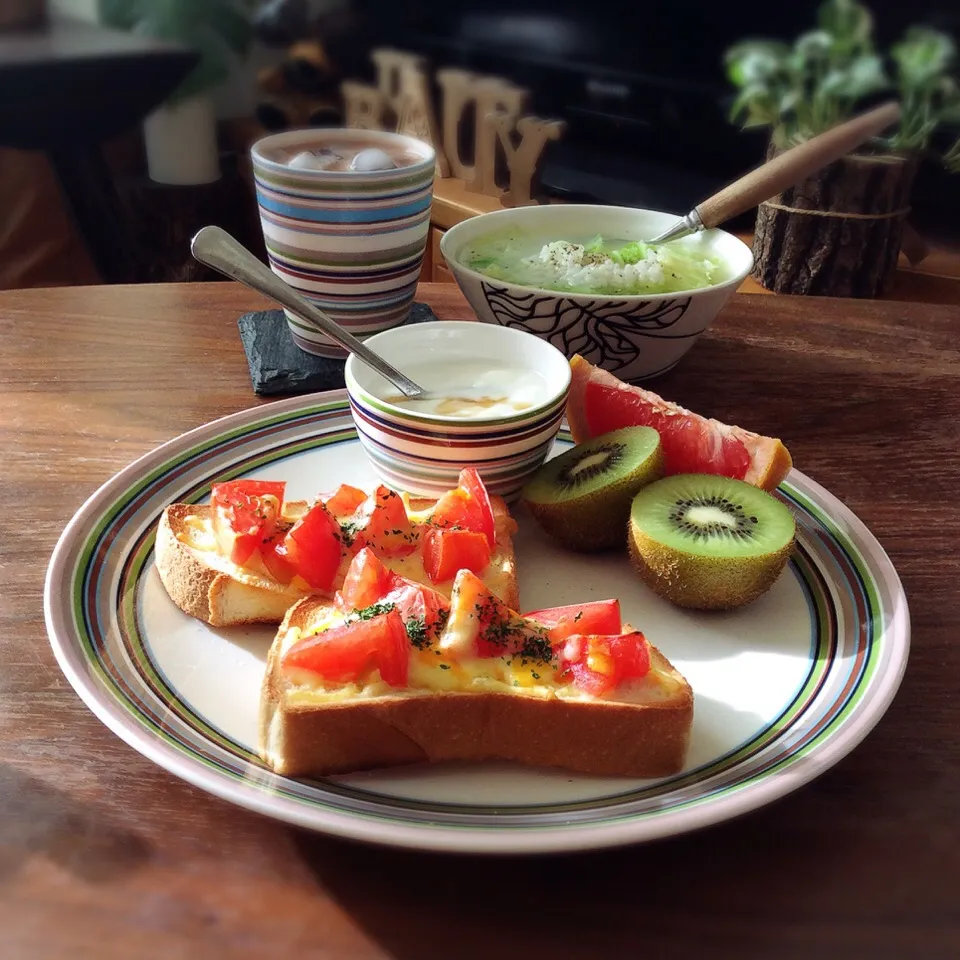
(704, 583)
(588, 527)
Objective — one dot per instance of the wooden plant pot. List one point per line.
(838, 233)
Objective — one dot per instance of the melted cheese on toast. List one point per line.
(197, 533)
(433, 671)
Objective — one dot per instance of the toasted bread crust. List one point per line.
(598, 737)
(184, 576)
(220, 599)
(209, 594)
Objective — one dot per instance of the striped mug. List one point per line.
(351, 241)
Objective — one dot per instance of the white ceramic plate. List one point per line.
(783, 688)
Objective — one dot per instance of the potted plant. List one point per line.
(181, 135)
(839, 232)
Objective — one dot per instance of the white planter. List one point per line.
(181, 142)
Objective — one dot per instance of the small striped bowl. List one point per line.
(351, 242)
(424, 453)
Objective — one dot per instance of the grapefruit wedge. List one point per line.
(599, 403)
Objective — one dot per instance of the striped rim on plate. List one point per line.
(859, 641)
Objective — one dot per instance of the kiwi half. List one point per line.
(709, 542)
(583, 497)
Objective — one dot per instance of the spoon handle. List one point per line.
(795, 165)
(217, 249)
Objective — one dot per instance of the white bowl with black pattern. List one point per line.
(634, 337)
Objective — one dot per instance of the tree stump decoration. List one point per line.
(838, 233)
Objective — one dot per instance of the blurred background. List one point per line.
(100, 179)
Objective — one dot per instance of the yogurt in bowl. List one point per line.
(475, 390)
(497, 400)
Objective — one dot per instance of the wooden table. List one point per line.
(104, 855)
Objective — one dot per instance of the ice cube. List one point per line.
(371, 159)
(321, 159)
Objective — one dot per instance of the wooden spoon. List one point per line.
(783, 172)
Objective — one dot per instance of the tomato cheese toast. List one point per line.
(249, 555)
(393, 672)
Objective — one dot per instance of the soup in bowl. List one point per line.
(584, 278)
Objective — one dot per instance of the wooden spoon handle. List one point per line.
(795, 165)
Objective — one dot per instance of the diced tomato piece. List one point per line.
(631, 653)
(366, 582)
(314, 547)
(468, 506)
(245, 514)
(587, 680)
(598, 665)
(344, 501)
(497, 630)
(447, 551)
(381, 522)
(248, 488)
(275, 560)
(602, 617)
(424, 611)
(479, 501)
(345, 654)
(451, 510)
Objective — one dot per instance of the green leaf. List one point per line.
(213, 28)
(789, 101)
(760, 115)
(847, 21)
(813, 45)
(756, 63)
(863, 77)
(754, 107)
(922, 57)
(232, 27)
(773, 49)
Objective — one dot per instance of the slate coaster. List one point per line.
(278, 366)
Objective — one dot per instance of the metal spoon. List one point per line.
(783, 172)
(217, 249)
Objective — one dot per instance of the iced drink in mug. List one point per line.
(345, 216)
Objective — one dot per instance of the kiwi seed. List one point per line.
(582, 497)
(709, 542)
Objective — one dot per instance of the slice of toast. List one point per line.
(353, 729)
(206, 585)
